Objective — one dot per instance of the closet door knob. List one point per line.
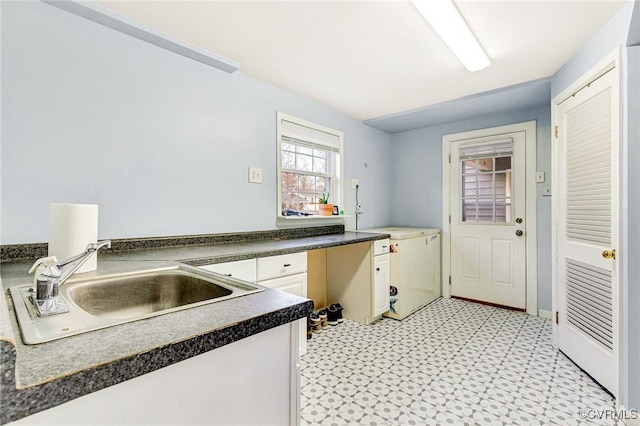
(609, 254)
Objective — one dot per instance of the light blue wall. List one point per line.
(619, 31)
(417, 179)
(162, 143)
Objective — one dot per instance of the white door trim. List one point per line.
(612, 60)
(529, 128)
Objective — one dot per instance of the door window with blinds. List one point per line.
(309, 166)
(486, 193)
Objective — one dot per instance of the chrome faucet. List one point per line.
(51, 277)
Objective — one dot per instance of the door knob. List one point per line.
(609, 254)
(519, 233)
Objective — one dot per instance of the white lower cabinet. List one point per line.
(254, 381)
(286, 272)
(290, 270)
(381, 279)
(294, 284)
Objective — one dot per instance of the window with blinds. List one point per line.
(309, 165)
(486, 192)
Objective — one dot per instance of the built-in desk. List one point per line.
(354, 275)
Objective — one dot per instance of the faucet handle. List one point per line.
(43, 262)
(98, 245)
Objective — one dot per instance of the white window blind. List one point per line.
(497, 148)
(310, 137)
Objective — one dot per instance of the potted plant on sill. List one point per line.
(325, 208)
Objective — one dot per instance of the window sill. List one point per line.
(310, 220)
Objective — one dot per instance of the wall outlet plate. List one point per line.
(255, 175)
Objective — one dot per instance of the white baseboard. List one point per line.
(544, 314)
(631, 422)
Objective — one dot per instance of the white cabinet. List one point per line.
(241, 269)
(218, 387)
(288, 273)
(381, 276)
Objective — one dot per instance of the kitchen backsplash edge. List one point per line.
(11, 252)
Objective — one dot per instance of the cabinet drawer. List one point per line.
(281, 266)
(241, 269)
(380, 247)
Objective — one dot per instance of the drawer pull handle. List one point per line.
(384, 246)
(227, 275)
(286, 265)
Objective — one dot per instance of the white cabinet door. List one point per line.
(381, 273)
(241, 269)
(294, 284)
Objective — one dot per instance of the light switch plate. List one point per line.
(354, 183)
(540, 177)
(255, 175)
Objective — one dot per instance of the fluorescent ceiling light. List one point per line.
(446, 20)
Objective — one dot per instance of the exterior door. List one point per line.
(587, 228)
(488, 205)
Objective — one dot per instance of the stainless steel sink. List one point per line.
(143, 294)
(116, 299)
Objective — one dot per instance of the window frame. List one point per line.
(337, 179)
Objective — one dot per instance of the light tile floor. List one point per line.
(453, 363)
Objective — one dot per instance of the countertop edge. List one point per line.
(199, 261)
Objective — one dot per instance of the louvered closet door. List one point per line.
(588, 228)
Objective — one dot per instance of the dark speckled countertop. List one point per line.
(36, 377)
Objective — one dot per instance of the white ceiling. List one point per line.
(375, 58)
